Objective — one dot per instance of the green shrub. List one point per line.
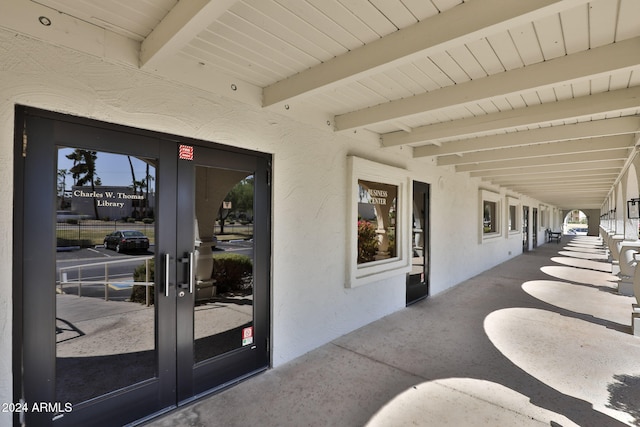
(233, 273)
(392, 243)
(138, 293)
(367, 241)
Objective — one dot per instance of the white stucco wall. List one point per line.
(310, 304)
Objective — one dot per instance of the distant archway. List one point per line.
(575, 223)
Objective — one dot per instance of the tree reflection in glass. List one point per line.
(105, 336)
(377, 208)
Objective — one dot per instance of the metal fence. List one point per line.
(101, 275)
(88, 233)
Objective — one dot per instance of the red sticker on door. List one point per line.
(247, 336)
(185, 152)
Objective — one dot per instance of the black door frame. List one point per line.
(534, 229)
(35, 136)
(418, 291)
(525, 228)
(233, 365)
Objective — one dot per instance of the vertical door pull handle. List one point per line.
(191, 272)
(167, 260)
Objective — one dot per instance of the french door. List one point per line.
(534, 229)
(142, 266)
(418, 278)
(525, 228)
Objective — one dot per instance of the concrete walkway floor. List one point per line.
(540, 340)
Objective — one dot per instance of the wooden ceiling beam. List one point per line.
(466, 22)
(181, 25)
(585, 176)
(558, 71)
(595, 157)
(547, 168)
(570, 109)
(596, 128)
(535, 152)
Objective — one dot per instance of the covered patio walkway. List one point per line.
(542, 339)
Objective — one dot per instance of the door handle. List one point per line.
(167, 260)
(189, 285)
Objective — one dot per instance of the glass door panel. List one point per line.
(534, 229)
(418, 278)
(105, 229)
(525, 228)
(222, 298)
(134, 300)
(91, 336)
(223, 309)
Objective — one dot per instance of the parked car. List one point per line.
(126, 240)
(578, 231)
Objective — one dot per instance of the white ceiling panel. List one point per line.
(603, 16)
(550, 37)
(526, 41)
(463, 57)
(396, 12)
(421, 73)
(347, 22)
(135, 19)
(487, 58)
(627, 24)
(575, 29)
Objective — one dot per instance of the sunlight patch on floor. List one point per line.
(575, 357)
(583, 263)
(611, 307)
(464, 402)
(584, 255)
(590, 247)
(587, 277)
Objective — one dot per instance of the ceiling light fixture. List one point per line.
(45, 21)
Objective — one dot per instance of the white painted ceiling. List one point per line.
(539, 96)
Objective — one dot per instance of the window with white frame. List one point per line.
(512, 218)
(379, 230)
(490, 214)
(544, 213)
(514, 214)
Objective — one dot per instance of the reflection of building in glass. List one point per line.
(489, 222)
(111, 202)
(512, 218)
(377, 204)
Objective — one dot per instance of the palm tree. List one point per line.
(62, 185)
(135, 184)
(147, 180)
(84, 171)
